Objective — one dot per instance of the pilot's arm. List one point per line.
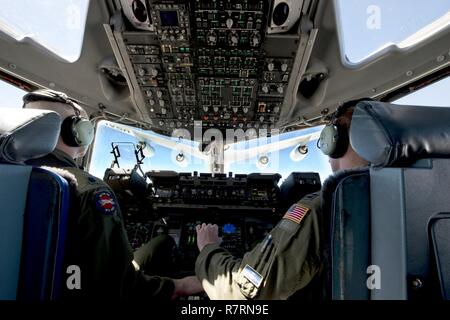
(283, 263)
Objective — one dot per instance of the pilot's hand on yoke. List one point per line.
(207, 234)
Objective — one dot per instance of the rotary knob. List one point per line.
(159, 93)
(211, 38)
(163, 110)
(256, 39)
(153, 72)
(270, 66)
(141, 72)
(161, 103)
(148, 93)
(265, 88)
(284, 67)
(280, 89)
(234, 39)
(229, 23)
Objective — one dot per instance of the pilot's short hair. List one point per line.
(344, 113)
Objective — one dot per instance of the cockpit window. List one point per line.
(435, 94)
(283, 153)
(11, 96)
(369, 28)
(283, 156)
(58, 26)
(158, 156)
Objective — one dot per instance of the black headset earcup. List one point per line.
(67, 131)
(341, 142)
(333, 141)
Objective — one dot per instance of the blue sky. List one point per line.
(392, 28)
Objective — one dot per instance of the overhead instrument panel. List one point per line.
(212, 61)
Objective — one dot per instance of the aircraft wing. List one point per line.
(236, 154)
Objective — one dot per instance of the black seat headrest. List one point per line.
(27, 133)
(386, 134)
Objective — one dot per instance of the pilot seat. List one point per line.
(390, 223)
(34, 208)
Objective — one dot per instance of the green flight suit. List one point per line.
(97, 241)
(283, 263)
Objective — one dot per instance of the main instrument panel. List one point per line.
(245, 207)
(208, 60)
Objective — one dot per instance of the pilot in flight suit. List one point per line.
(283, 263)
(291, 259)
(97, 241)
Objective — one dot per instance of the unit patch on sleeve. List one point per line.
(105, 202)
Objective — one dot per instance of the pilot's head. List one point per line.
(334, 139)
(77, 132)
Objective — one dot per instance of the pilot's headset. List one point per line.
(334, 139)
(76, 131)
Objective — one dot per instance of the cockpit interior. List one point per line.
(210, 111)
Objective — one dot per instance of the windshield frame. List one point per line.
(421, 37)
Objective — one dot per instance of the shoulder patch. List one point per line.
(105, 202)
(296, 213)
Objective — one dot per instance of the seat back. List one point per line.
(34, 207)
(388, 225)
(440, 240)
(347, 195)
(13, 190)
(403, 202)
(44, 235)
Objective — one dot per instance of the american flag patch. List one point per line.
(296, 213)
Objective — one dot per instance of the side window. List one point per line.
(436, 94)
(10, 96)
